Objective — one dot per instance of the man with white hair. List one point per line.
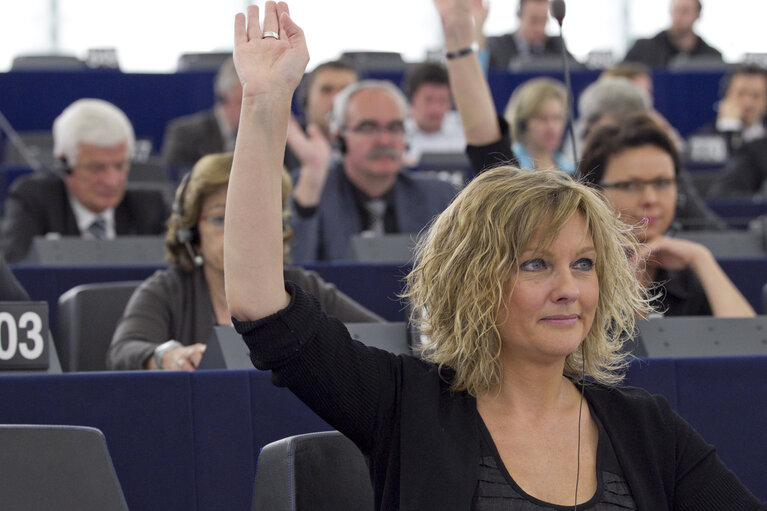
(368, 190)
(93, 140)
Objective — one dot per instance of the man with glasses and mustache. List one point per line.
(368, 190)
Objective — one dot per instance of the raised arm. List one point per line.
(270, 69)
(468, 84)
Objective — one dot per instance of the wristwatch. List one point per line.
(164, 348)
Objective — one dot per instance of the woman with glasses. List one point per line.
(636, 165)
(171, 315)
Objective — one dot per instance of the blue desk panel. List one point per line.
(31, 100)
(191, 440)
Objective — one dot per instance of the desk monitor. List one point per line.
(729, 244)
(227, 350)
(692, 336)
(388, 248)
(393, 337)
(76, 251)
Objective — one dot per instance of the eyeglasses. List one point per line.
(663, 184)
(370, 128)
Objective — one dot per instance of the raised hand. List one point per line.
(311, 148)
(457, 23)
(479, 11)
(264, 63)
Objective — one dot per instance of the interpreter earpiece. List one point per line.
(62, 166)
(521, 126)
(340, 144)
(187, 236)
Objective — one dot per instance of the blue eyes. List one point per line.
(533, 265)
(583, 264)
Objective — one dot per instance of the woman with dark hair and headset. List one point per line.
(171, 315)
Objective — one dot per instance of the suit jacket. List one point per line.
(659, 52)
(746, 173)
(39, 204)
(502, 50)
(325, 235)
(189, 138)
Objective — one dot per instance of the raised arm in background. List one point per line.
(468, 84)
(270, 70)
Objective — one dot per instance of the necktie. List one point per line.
(98, 229)
(376, 209)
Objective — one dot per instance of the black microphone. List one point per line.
(557, 9)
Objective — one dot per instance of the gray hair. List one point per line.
(611, 95)
(226, 78)
(337, 119)
(90, 121)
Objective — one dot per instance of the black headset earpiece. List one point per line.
(340, 144)
(521, 127)
(62, 166)
(187, 236)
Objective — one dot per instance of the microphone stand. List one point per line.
(14, 138)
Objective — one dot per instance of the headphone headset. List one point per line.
(521, 127)
(61, 166)
(187, 236)
(340, 143)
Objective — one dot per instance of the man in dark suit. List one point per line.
(191, 137)
(740, 116)
(93, 140)
(746, 173)
(528, 43)
(679, 40)
(368, 190)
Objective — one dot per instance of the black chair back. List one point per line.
(47, 468)
(87, 317)
(316, 471)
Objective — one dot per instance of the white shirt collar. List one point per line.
(85, 218)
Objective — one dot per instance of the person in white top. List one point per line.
(432, 126)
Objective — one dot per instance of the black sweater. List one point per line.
(423, 440)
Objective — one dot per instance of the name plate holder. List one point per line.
(25, 340)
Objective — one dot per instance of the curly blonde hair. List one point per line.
(210, 174)
(471, 250)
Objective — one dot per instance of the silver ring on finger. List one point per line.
(180, 362)
(269, 33)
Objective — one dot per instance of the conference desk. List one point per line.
(190, 441)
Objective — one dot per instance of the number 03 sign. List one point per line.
(23, 334)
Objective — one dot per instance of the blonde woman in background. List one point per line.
(537, 116)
